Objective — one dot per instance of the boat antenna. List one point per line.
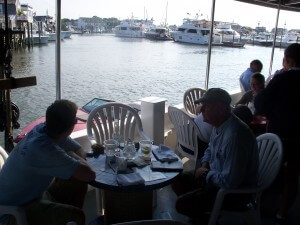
(274, 40)
(166, 15)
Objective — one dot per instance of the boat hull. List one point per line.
(158, 37)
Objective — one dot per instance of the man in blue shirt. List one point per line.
(230, 161)
(255, 67)
(45, 153)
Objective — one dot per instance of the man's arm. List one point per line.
(235, 162)
(84, 173)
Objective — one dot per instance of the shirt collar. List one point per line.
(224, 125)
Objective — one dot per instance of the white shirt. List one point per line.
(204, 128)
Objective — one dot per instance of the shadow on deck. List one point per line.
(165, 209)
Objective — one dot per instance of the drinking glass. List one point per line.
(145, 147)
(129, 150)
(121, 161)
(110, 149)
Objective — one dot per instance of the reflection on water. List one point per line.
(124, 69)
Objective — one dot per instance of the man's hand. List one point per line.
(201, 173)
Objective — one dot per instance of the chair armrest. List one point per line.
(247, 190)
(17, 212)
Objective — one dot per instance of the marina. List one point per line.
(140, 68)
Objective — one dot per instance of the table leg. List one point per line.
(127, 206)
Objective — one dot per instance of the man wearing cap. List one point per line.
(230, 161)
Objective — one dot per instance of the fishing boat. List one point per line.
(262, 39)
(42, 39)
(285, 40)
(158, 33)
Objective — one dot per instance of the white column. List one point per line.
(153, 118)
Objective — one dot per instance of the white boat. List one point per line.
(158, 33)
(130, 28)
(43, 39)
(195, 32)
(263, 39)
(287, 39)
(66, 34)
(229, 36)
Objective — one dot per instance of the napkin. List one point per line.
(164, 154)
(129, 179)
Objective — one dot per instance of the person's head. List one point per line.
(243, 113)
(256, 66)
(61, 118)
(291, 56)
(215, 106)
(257, 82)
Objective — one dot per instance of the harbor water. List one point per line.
(125, 70)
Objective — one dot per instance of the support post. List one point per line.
(153, 118)
(57, 50)
(210, 43)
(274, 40)
(28, 35)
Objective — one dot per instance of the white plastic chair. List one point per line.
(99, 131)
(15, 211)
(101, 120)
(189, 97)
(187, 133)
(270, 158)
(153, 222)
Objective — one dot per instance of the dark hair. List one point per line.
(243, 113)
(258, 64)
(293, 52)
(60, 117)
(259, 77)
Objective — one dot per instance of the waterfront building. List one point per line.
(13, 8)
(93, 24)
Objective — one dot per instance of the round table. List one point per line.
(130, 202)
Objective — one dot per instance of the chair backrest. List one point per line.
(270, 158)
(153, 222)
(3, 157)
(100, 123)
(189, 97)
(187, 133)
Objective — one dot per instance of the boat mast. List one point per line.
(57, 50)
(166, 15)
(274, 40)
(210, 43)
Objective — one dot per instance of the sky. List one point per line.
(176, 10)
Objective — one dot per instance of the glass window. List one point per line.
(192, 31)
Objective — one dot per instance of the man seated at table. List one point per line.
(230, 161)
(46, 152)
